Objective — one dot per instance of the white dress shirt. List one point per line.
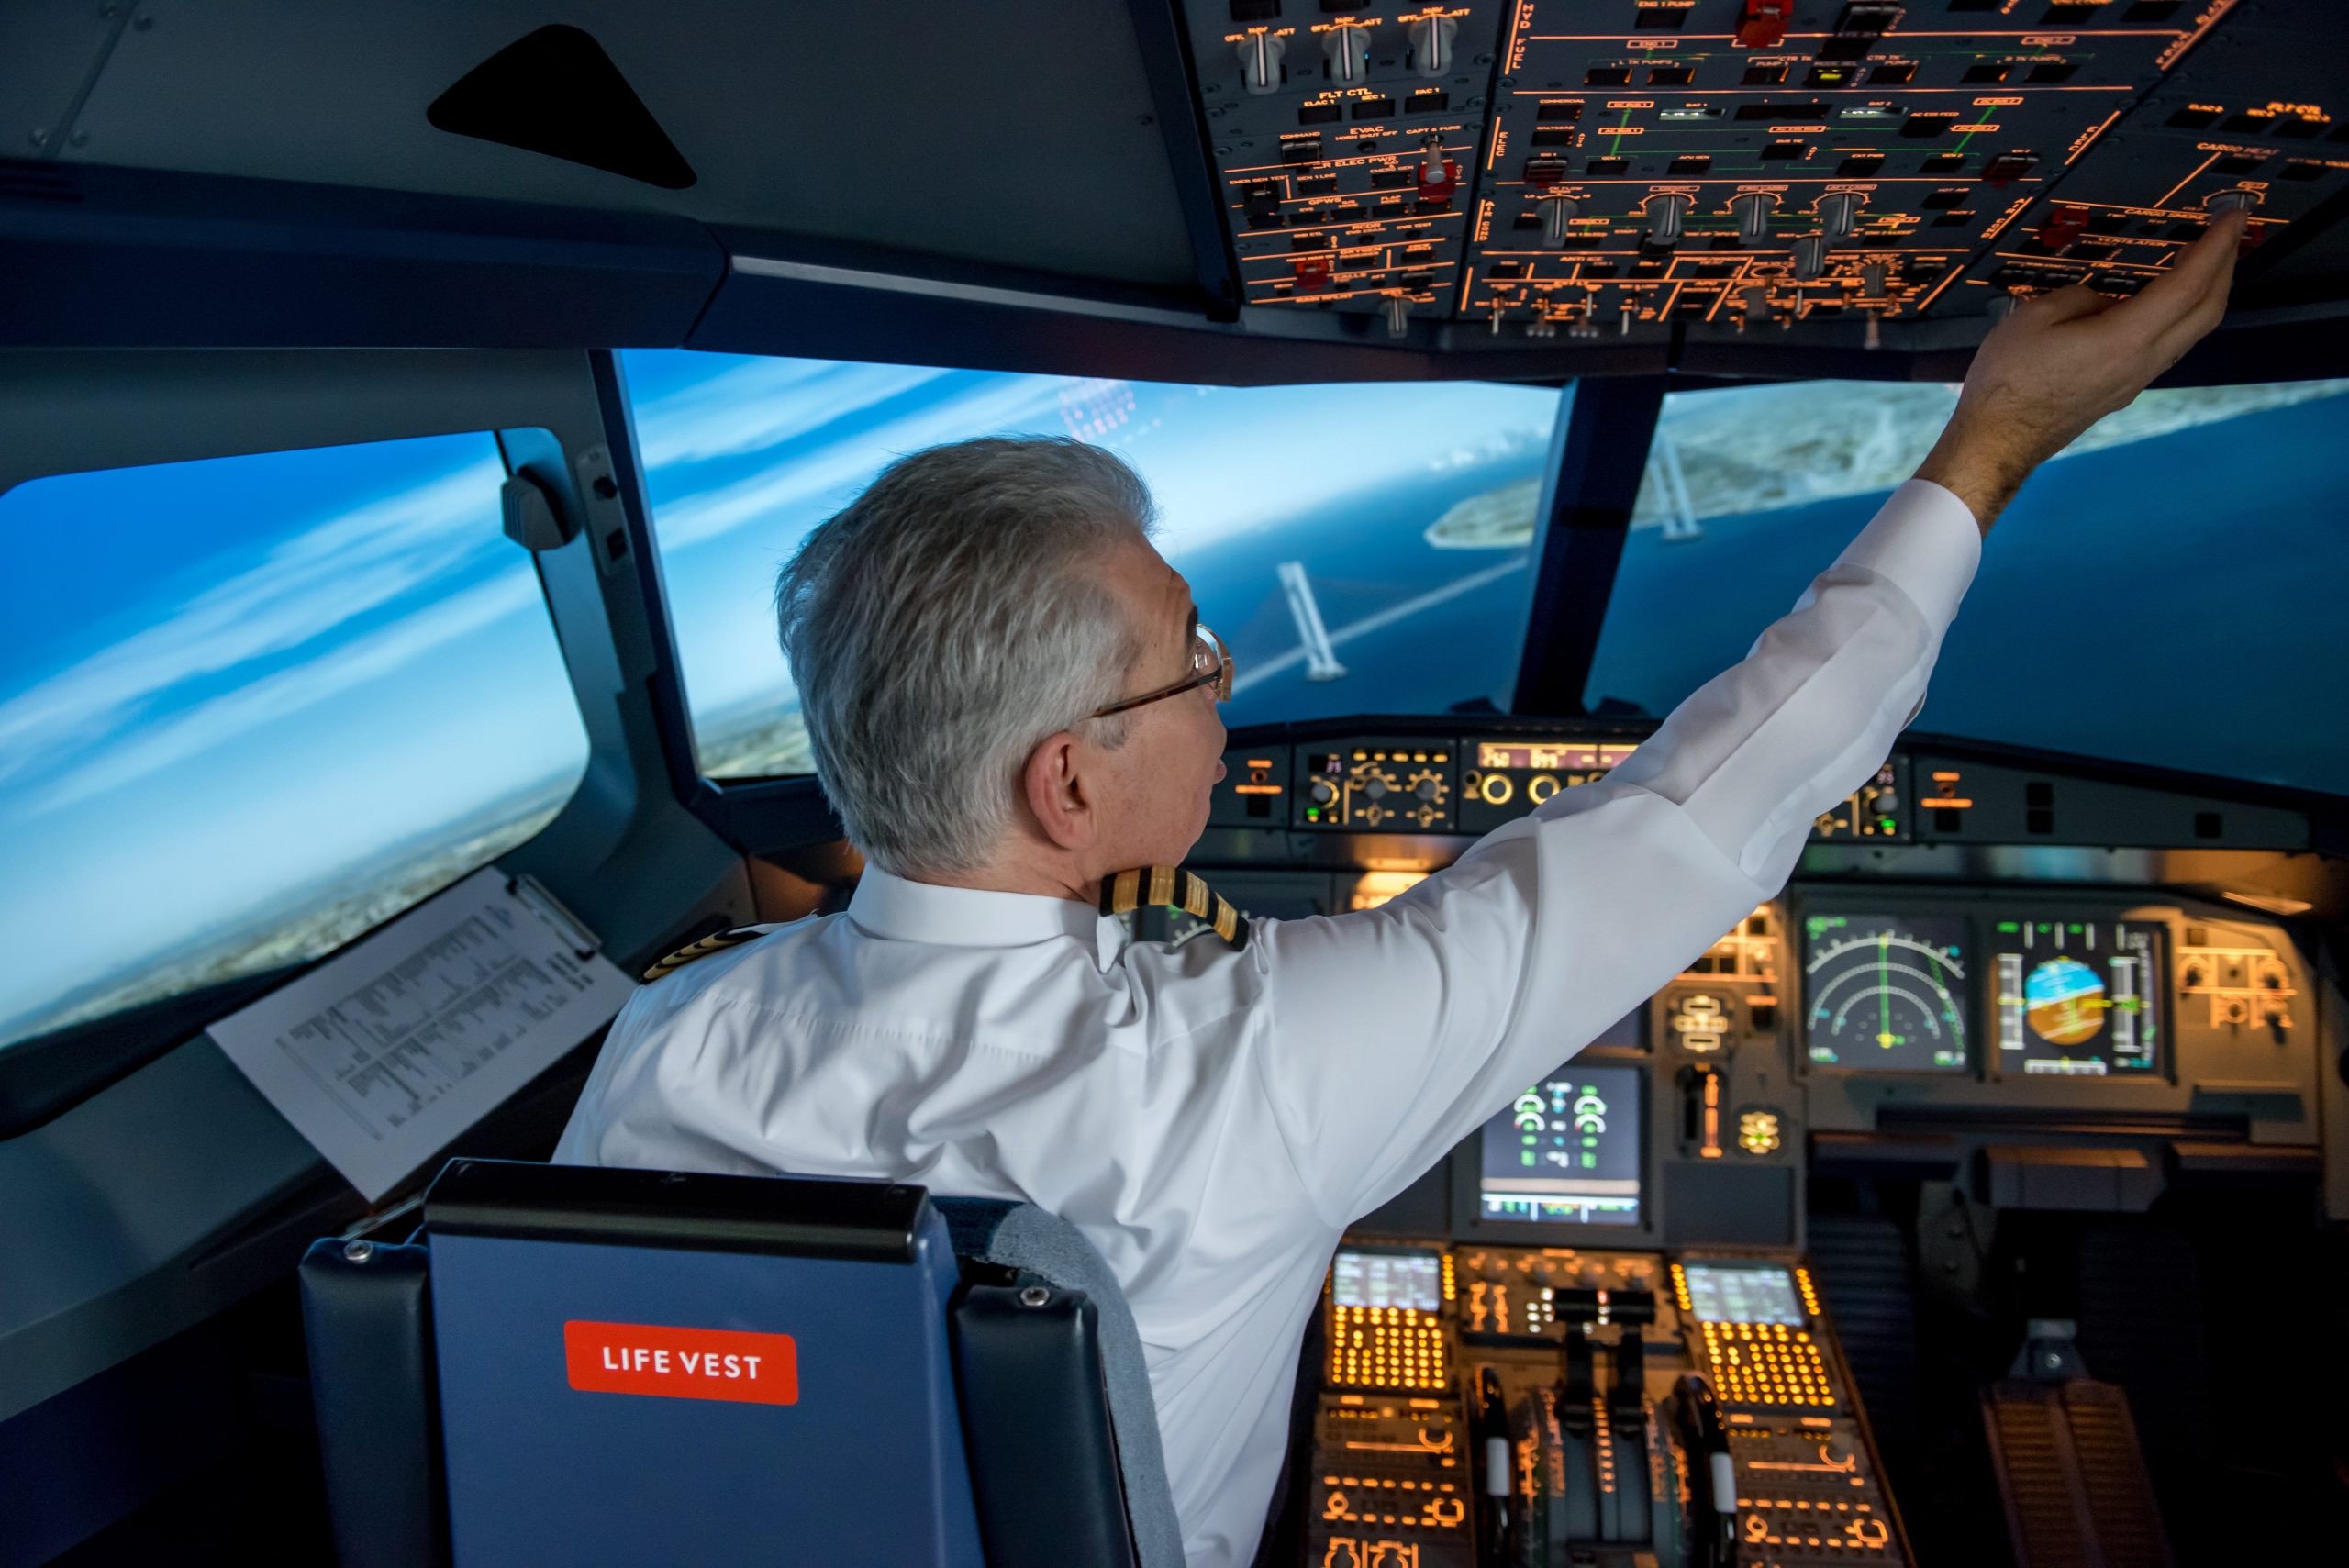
(1212, 1120)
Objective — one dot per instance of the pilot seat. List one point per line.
(587, 1367)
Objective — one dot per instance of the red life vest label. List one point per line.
(681, 1364)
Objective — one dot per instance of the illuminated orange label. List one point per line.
(681, 1364)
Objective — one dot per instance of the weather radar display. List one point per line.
(1885, 992)
(2078, 997)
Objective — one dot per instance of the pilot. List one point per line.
(1011, 700)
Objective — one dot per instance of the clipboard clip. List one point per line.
(532, 895)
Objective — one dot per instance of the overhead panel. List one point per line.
(1346, 140)
(1727, 165)
(2254, 114)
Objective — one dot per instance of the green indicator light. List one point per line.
(2009, 926)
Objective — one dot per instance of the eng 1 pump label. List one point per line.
(681, 1364)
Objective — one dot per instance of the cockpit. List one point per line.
(403, 422)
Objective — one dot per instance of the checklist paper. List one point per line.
(386, 1051)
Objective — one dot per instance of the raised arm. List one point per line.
(1398, 1030)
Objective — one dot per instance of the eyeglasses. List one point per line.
(1211, 665)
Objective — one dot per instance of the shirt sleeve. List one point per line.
(1393, 1033)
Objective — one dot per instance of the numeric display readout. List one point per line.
(1885, 992)
(2078, 997)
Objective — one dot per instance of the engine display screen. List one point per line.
(1387, 1279)
(1742, 1293)
(2078, 997)
(1567, 1151)
(1885, 992)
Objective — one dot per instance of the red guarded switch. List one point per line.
(2062, 226)
(1764, 25)
(1438, 193)
(1312, 273)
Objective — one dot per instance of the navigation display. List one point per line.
(1742, 1293)
(1885, 992)
(1387, 1279)
(1567, 1151)
(2078, 997)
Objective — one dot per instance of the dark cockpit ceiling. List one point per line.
(1230, 190)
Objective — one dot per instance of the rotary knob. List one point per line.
(1349, 51)
(1321, 792)
(1557, 213)
(1260, 62)
(1432, 45)
(2237, 200)
(1752, 210)
(1838, 212)
(1810, 258)
(1375, 787)
(1666, 211)
(1428, 789)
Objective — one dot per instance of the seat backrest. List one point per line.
(590, 1366)
(1049, 1435)
(642, 1367)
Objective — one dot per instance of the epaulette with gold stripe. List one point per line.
(718, 942)
(1178, 889)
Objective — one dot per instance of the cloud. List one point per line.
(999, 404)
(301, 589)
(763, 403)
(215, 721)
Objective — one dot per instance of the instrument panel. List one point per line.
(1624, 167)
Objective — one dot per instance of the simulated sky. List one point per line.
(223, 682)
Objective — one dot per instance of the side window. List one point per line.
(251, 707)
(1350, 570)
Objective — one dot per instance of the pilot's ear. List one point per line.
(1056, 795)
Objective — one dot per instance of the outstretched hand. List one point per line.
(2064, 360)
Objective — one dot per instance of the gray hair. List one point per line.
(944, 623)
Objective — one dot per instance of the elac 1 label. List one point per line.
(681, 1364)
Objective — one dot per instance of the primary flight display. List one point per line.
(2079, 997)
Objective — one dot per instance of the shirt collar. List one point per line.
(900, 910)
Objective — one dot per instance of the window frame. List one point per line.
(66, 412)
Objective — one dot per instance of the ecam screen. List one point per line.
(1567, 1150)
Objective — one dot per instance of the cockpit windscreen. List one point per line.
(2150, 518)
(1567, 1151)
(1348, 571)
